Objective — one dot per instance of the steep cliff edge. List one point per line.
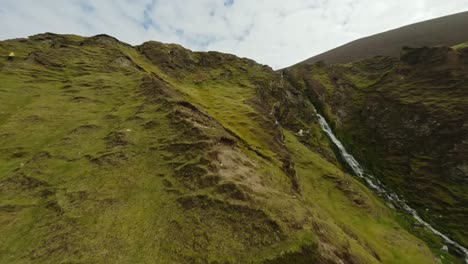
(405, 119)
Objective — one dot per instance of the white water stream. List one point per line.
(378, 187)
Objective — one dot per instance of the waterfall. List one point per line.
(380, 189)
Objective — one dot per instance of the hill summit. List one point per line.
(443, 31)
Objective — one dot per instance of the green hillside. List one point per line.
(405, 119)
(155, 154)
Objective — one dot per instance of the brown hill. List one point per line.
(448, 31)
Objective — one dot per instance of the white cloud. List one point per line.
(274, 32)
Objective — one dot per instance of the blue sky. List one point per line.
(274, 32)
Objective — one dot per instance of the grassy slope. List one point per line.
(403, 119)
(107, 156)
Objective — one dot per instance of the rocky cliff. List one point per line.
(405, 119)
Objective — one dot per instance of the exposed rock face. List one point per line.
(406, 120)
(425, 56)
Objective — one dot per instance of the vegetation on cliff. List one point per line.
(405, 119)
(155, 154)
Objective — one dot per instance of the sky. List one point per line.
(278, 33)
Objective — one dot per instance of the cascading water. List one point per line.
(378, 187)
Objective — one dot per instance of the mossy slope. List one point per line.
(405, 119)
(155, 154)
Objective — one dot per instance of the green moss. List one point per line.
(394, 117)
(358, 217)
(156, 154)
(460, 46)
